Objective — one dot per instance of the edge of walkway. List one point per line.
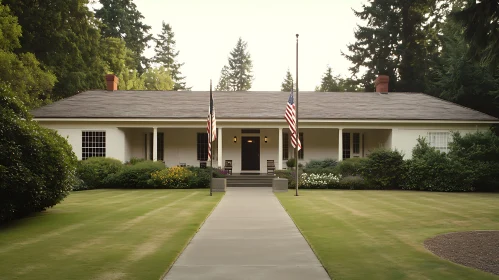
(304, 237)
(192, 237)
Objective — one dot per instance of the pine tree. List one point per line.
(224, 81)
(121, 19)
(329, 82)
(288, 82)
(166, 55)
(398, 41)
(240, 67)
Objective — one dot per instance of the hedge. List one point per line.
(37, 166)
(94, 170)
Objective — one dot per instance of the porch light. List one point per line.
(266, 139)
(235, 139)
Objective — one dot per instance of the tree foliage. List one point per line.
(63, 35)
(398, 41)
(480, 20)
(121, 19)
(158, 79)
(21, 71)
(166, 55)
(288, 83)
(331, 83)
(237, 76)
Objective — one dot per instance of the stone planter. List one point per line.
(279, 185)
(219, 184)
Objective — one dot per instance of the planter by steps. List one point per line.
(219, 184)
(280, 185)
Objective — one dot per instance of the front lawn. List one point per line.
(104, 234)
(380, 234)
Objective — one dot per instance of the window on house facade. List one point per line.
(346, 145)
(285, 146)
(439, 140)
(301, 152)
(202, 146)
(356, 143)
(161, 144)
(93, 144)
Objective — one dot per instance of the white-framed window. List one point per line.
(93, 144)
(439, 140)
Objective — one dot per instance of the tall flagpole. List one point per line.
(210, 136)
(297, 133)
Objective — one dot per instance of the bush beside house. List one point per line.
(37, 166)
(472, 164)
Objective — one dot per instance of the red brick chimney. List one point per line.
(381, 83)
(112, 82)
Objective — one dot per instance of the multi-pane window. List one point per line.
(161, 144)
(346, 145)
(301, 152)
(285, 146)
(93, 144)
(356, 143)
(439, 140)
(202, 146)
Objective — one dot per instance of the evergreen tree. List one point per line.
(121, 19)
(116, 55)
(288, 82)
(237, 76)
(130, 79)
(398, 41)
(481, 22)
(158, 79)
(224, 81)
(166, 55)
(329, 82)
(460, 80)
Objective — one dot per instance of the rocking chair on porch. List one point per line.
(228, 166)
(270, 166)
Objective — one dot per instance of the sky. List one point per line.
(206, 32)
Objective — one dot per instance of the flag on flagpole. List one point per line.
(290, 116)
(212, 122)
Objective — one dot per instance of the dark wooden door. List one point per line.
(250, 153)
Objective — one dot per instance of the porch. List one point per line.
(250, 148)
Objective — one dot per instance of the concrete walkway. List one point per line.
(248, 236)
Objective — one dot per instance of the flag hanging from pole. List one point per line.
(290, 116)
(211, 123)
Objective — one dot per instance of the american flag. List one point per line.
(290, 116)
(211, 118)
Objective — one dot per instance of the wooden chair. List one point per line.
(182, 164)
(228, 166)
(270, 166)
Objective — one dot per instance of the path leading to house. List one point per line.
(249, 235)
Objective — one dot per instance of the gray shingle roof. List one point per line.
(258, 105)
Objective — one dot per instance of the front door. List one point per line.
(250, 153)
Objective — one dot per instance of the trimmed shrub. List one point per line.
(201, 177)
(287, 174)
(350, 166)
(353, 183)
(173, 178)
(94, 170)
(321, 164)
(318, 181)
(384, 169)
(479, 153)
(37, 166)
(431, 170)
(290, 163)
(134, 176)
(134, 160)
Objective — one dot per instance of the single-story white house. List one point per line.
(171, 126)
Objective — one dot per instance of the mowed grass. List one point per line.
(104, 234)
(380, 234)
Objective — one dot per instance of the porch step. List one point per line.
(249, 180)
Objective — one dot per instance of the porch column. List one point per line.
(219, 136)
(340, 144)
(279, 161)
(155, 144)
